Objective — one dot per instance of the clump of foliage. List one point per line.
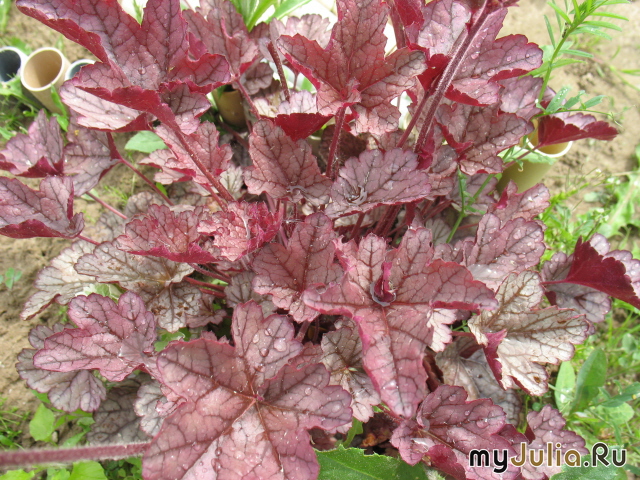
(271, 292)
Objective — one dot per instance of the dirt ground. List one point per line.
(586, 158)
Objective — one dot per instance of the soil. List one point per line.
(586, 159)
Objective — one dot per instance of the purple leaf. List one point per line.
(502, 248)
(59, 281)
(493, 60)
(115, 420)
(479, 134)
(156, 280)
(299, 116)
(614, 273)
(139, 63)
(68, 391)
(547, 427)
(243, 228)
(342, 355)
(307, 260)
(37, 153)
(152, 406)
(114, 339)
(204, 142)
(221, 30)
(167, 233)
(519, 337)
(567, 127)
(396, 327)
(448, 427)
(586, 300)
(475, 376)
(25, 213)
(527, 205)
(88, 156)
(520, 96)
(377, 178)
(236, 421)
(352, 69)
(94, 112)
(283, 167)
(240, 290)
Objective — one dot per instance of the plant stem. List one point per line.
(193, 281)
(135, 170)
(25, 458)
(213, 180)
(414, 120)
(86, 239)
(335, 141)
(278, 62)
(205, 272)
(229, 129)
(107, 206)
(449, 73)
(247, 97)
(303, 331)
(463, 211)
(356, 228)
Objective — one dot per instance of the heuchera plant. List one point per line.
(374, 272)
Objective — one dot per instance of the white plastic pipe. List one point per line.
(76, 66)
(11, 62)
(44, 68)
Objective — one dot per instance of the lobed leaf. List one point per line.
(282, 167)
(286, 272)
(236, 421)
(25, 213)
(68, 391)
(114, 339)
(518, 336)
(376, 178)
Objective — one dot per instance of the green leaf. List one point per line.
(288, 6)
(356, 429)
(591, 377)
(41, 427)
(17, 475)
(145, 142)
(618, 415)
(577, 53)
(87, 471)
(583, 472)
(629, 393)
(352, 464)
(11, 276)
(58, 474)
(592, 102)
(556, 101)
(560, 12)
(565, 385)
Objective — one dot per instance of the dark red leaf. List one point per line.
(114, 339)
(479, 134)
(204, 142)
(243, 228)
(527, 205)
(247, 412)
(395, 333)
(283, 167)
(502, 248)
(25, 213)
(352, 69)
(221, 30)
(377, 178)
(614, 273)
(37, 153)
(285, 272)
(568, 127)
(163, 232)
(68, 391)
(448, 427)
